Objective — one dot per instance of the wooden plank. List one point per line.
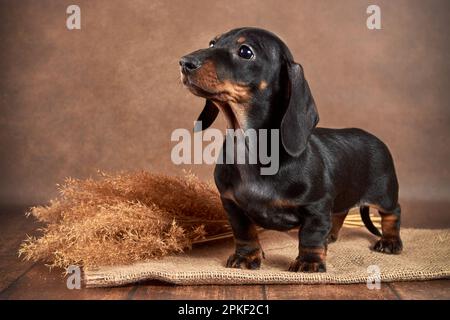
(204, 292)
(328, 292)
(41, 284)
(11, 268)
(13, 230)
(419, 290)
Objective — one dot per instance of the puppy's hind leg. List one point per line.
(390, 241)
(337, 220)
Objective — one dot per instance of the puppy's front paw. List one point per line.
(305, 266)
(332, 238)
(249, 261)
(390, 245)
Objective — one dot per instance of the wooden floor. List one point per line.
(26, 280)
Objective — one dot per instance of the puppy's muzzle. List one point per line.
(189, 64)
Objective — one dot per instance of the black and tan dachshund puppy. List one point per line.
(249, 74)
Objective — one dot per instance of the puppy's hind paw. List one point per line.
(240, 261)
(304, 266)
(389, 246)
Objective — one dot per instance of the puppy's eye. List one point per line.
(212, 43)
(245, 52)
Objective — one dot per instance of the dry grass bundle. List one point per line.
(124, 218)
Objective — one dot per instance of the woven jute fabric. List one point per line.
(426, 255)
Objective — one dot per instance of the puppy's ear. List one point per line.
(301, 114)
(207, 117)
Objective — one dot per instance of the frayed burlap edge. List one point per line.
(93, 279)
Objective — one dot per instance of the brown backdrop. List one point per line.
(108, 96)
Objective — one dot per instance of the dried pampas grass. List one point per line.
(124, 218)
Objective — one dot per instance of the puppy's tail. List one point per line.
(365, 217)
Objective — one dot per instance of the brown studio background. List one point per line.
(108, 96)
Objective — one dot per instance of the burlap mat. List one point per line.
(426, 255)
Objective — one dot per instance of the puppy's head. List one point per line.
(250, 75)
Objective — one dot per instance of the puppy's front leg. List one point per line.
(313, 236)
(248, 250)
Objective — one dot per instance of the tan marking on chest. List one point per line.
(262, 85)
(284, 203)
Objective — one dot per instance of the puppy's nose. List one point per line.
(189, 63)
